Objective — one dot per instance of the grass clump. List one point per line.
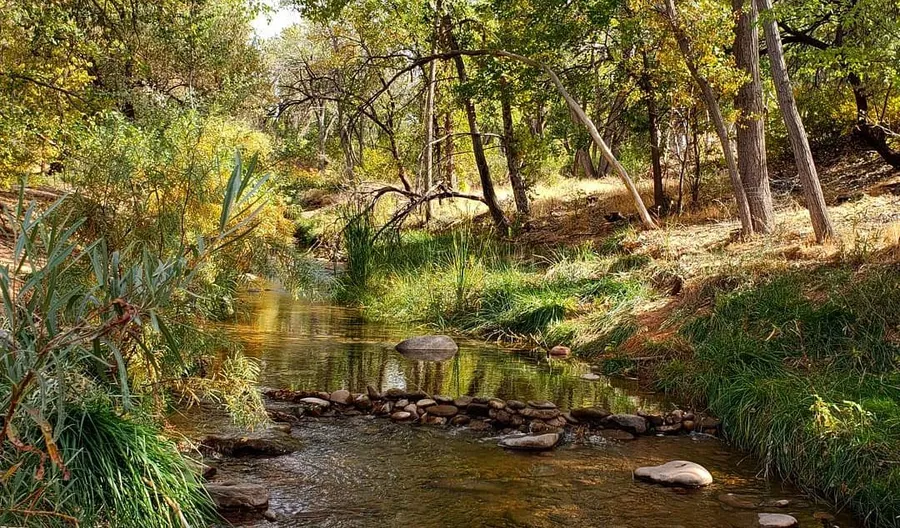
(802, 368)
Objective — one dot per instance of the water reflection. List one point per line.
(323, 347)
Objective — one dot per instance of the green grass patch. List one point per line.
(802, 368)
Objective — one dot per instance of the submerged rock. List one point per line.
(776, 520)
(318, 402)
(402, 416)
(530, 442)
(676, 473)
(590, 376)
(231, 497)
(617, 434)
(267, 442)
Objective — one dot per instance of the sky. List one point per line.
(270, 24)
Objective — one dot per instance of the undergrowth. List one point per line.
(802, 368)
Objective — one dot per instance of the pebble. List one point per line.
(590, 376)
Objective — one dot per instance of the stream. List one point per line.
(363, 472)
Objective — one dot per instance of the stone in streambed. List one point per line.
(266, 442)
(628, 422)
(539, 414)
(590, 414)
(496, 403)
(462, 401)
(776, 520)
(428, 348)
(430, 419)
(460, 419)
(318, 402)
(560, 351)
(515, 405)
(477, 409)
(541, 404)
(590, 376)
(676, 473)
(232, 497)
(617, 434)
(425, 402)
(445, 411)
(446, 400)
(530, 442)
(373, 393)
(402, 416)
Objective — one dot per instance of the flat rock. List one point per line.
(745, 502)
(428, 348)
(402, 416)
(443, 399)
(496, 403)
(341, 396)
(668, 428)
(443, 410)
(590, 414)
(541, 404)
(776, 520)
(462, 401)
(229, 496)
(541, 442)
(676, 473)
(629, 422)
(516, 405)
(425, 402)
(539, 414)
(319, 402)
(617, 434)
(590, 376)
(477, 409)
(267, 442)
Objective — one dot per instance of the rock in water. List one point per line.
(776, 520)
(445, 411)
(560, 351)
(629, 422)
(341, 396)
(590, 376)
(238, 497)
(428, 348)
(676, 473)
(531, 442)
(319, 402)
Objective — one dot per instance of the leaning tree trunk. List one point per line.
(484, 173)
(751, 135)
(715, 113)
(806, 167)
(513, 157)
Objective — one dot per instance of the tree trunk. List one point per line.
(660, 200)
(712, 104)
(873, 135)
(449, 151)
(751, 135)
(806, 167)
(429, 112)
(583, 164)
(513, 157)
(484, 173)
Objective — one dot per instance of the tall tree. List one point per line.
(484, 171)
(806, 167)
(511, 146)
(715, 112)
(751, 136)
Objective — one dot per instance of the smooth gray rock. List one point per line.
(341, 396)
(531, 442)
(676, 473)
(590, 414)
(230, 496)
(776, 520)
(428, 348)
(316, 401)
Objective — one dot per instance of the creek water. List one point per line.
(367, 472)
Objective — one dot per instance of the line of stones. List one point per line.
(534, 417)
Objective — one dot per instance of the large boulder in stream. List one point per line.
(776, 520)
(676, 473)
(428, 348)
(239, 497)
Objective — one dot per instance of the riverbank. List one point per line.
(794, 345)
